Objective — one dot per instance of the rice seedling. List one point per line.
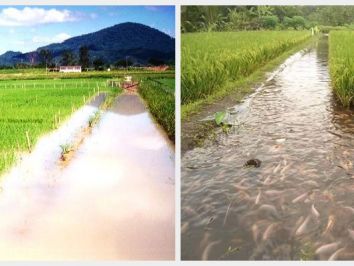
(31, 108)
(341, 51)
(160, 98)
(210, 60)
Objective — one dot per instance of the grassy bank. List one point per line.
(159, 94)
(341, 54)
(31, 108)
(212, 60)
(244, 85)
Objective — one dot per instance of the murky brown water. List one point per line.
(301, 197)
(115, 200)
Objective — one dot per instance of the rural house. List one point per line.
(68, 69)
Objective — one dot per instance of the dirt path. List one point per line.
(115, 200)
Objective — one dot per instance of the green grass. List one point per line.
(211, 60)
(34, 107)
(40, 73)
(159, 95)
(341, 54)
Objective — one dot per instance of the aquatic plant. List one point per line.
(210, 60)
(341, 53)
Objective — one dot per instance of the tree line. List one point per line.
(236, 18)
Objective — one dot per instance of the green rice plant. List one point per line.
(341, 54)
(210, 60)
(32, 108)
(161, 101)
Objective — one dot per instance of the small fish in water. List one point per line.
(253, 162)
(258, 198)
(330, 224)
(334, 256)
(279, 141)
(327, 248)
(184, 227)
(303, 227)
(273, 193)
(285, 168)
(255, 233)
(207, 250)
(302, 197)
(349, 209)
(314, 211)
(275, 170)
(268, 231)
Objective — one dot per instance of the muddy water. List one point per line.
(115, 199)
(300, 198)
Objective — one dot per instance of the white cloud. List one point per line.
(93, 15)
(59, 38)
(152, 8)
(29, 16)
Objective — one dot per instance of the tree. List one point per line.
(84, 57)
(67, 58)
(270, 22)
(98, 64)
(126, 62)
(156, 61)
(45, 57)
(299, 22)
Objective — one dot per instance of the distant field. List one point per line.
(37, 107)
(210, 60)
(160, 96)
(341, 54)
(40, 73)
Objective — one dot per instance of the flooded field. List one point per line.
(114, 200)
(296, 201)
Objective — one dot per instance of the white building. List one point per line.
(69, 69)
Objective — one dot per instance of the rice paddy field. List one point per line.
(159, 94)
(341, 54)
(31, 108)
(210, 60)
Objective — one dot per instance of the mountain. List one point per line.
(135, 41)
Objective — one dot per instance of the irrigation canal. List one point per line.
(114, 200)
(298, 204)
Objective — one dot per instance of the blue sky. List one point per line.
(25, 28)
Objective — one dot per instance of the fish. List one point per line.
(275, 170)
(268, 231)
(327, 248)
(208, 248)
(330, 224)
(255, 233)
(240, 187)
(314, 211)
(311, 183)
(334, 256)
(184, 227)
(285, 168)
(303, 227)
(258, 198)
(300, 198)
(273, 193)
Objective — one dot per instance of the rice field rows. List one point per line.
(160, 96)
(31, 108)
(210, 60)
(341, 51)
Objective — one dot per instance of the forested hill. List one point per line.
(135, 42)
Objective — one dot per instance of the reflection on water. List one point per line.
(115, 200)
(299, 203)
